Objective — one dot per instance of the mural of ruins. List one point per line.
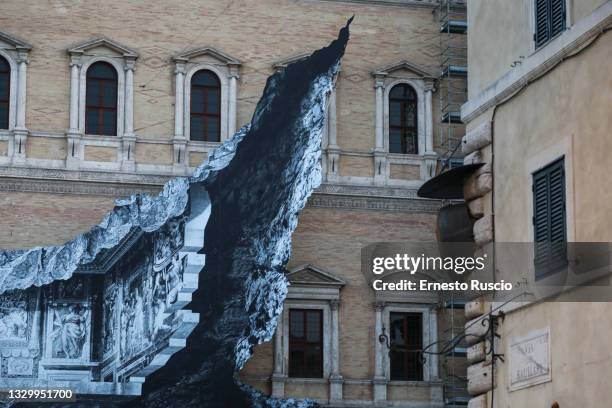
(105, 323)
(104, 312)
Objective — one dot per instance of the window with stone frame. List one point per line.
(306, 343)
(403, 120)
(5, 93)
(406, 338)
(101, 100)
(205, 109)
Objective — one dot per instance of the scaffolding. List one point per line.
(452, 86)
(452, 93)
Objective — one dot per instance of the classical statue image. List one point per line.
(13, 320)
(70, 331)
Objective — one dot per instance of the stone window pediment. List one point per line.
(187, 64)
(8, 42)
(404, 65)
(312, 276)
(206, 53)
(101, 46)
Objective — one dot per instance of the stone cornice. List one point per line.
(318, 200)
(539, 63)
(98, 177)
(22, 185)
(118, 185)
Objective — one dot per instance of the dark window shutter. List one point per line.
(557, 17)
(542, 32)
(549, 219)
(549, 20)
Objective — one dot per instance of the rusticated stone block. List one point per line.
(476, 138)
(483, 230)
(477, 185)
(473, 158)
(480, 378)
(478, 402)
(475, 330)
(477, 352)
(476, 207)
(474, 308)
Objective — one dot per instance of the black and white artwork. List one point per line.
(14, 316)
(242, 206)
(71, 324)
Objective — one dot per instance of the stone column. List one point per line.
(75, 70)
(335, 379)
(380, 155)
(428, 118)
(73, 136)
(278, 376)
(433, 338)
(128, 138)
(179, 142)
(333, 150)
(20, 132)
(428, 169)
(380, 381)
(179, 100)
(380, 103)
(231, 114)
(129, 98)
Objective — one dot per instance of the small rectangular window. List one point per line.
(406, 337)
(550, 20)
(549, 219)
(306, 343)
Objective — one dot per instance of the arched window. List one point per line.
(5, 94)
(101, 100)
(403, 121)
(205, 120)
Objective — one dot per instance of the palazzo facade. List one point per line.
(99, 100)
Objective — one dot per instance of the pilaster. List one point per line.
(335, 379)
(379, 381)
(20, 132)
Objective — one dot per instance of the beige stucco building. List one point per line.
(538, 115)
(100, 101)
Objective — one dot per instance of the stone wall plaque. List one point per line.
(529, 359)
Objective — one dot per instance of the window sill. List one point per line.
(307, 380)
(107, 138)
(423, 383)
(203, 143)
